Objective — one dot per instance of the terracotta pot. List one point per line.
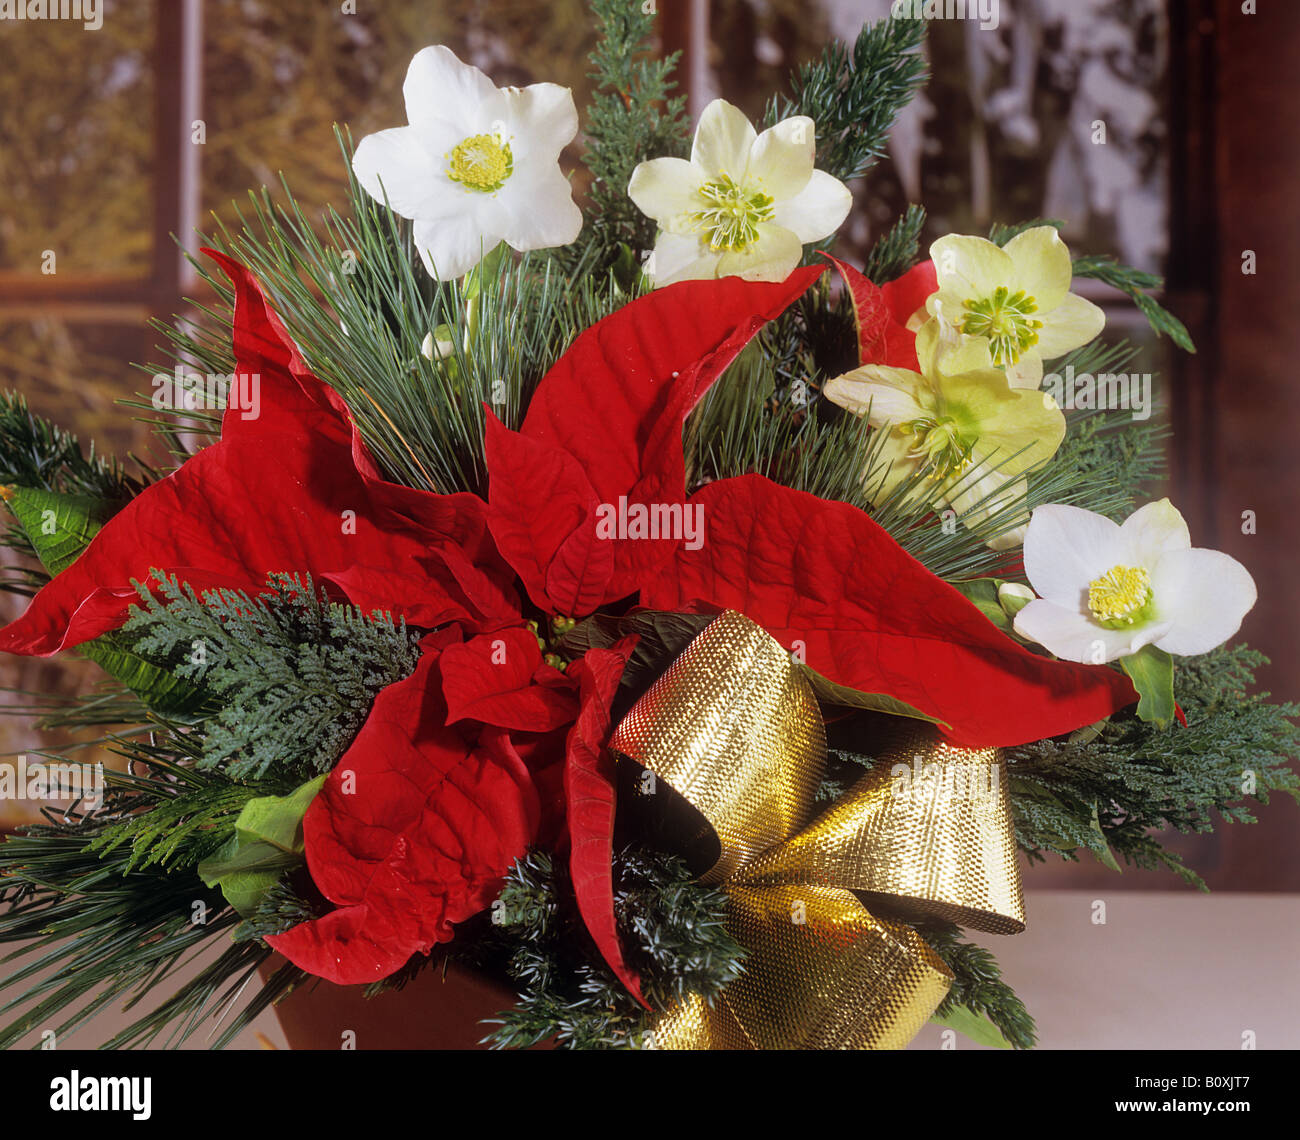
(430, 1012)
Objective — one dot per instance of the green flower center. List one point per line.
(1005, 319)
(731, 217)
(481, 162)
(939, 445)
(1121, 597)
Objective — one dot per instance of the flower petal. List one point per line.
(967, 267)
(723, 140)
(1074, 322)
(539, 209)
(1014, 428)
(450, 248)
(817, 211)
(771, 257)
(440, 91)
(1027, 372)
(1074, 636)
(885, 395)
(665, 189)
(1204, 594)
(1042, 266)
(781, 162)
(1152, 530)
(542, 120)
(1065, 549)
(397, 165)
(681, 257)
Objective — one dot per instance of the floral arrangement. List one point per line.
(637, 603)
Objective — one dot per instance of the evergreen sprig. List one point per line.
(672, 929)
(632, 117)
(1135, 284)
(896, 250)
(855, 93)
(36, 453)
(978, 985)
(294, 673)
(1112, 789)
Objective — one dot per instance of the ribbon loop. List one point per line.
(927, 831)
(735, 730)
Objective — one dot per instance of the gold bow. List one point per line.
(734, 730)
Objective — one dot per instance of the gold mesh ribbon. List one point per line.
(734, 730)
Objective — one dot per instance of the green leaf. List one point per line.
(1105, 856)
(830, 693)
(973, 1025)
(1152, 672)
(60, 526)
(983, 594)
(160, 689)
(268, 841)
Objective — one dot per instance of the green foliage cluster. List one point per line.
(632, 117)
(293, 674)
(673, 934)
(102, 907)
(855, 92)
(978, 985)
(1114, 788)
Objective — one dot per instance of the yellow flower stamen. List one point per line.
(1005, 320)
(731, 217)
(481, 163)
(1120, 596)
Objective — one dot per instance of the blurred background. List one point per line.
(112, 141)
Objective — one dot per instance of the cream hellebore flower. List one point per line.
(744, 205)
(1009, 307)
(1107, 590)
(971, 433)
(477, 165)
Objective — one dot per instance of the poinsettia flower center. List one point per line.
(1006, 320)
(940, 444)
(1121, 597)
(481, 162)
(731, 215)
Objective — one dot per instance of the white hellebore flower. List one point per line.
(477, 165)
(1009, 307)
(1106, 590)
(744, 205)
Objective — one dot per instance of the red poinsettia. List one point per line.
(486, 749)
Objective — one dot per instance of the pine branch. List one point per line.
(1134, 283)
(978, 985)
(672, 929)
(896, 251)
(294, 674)
(855, 94)
(37, 454)
(632, 117)
(1109, 790)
